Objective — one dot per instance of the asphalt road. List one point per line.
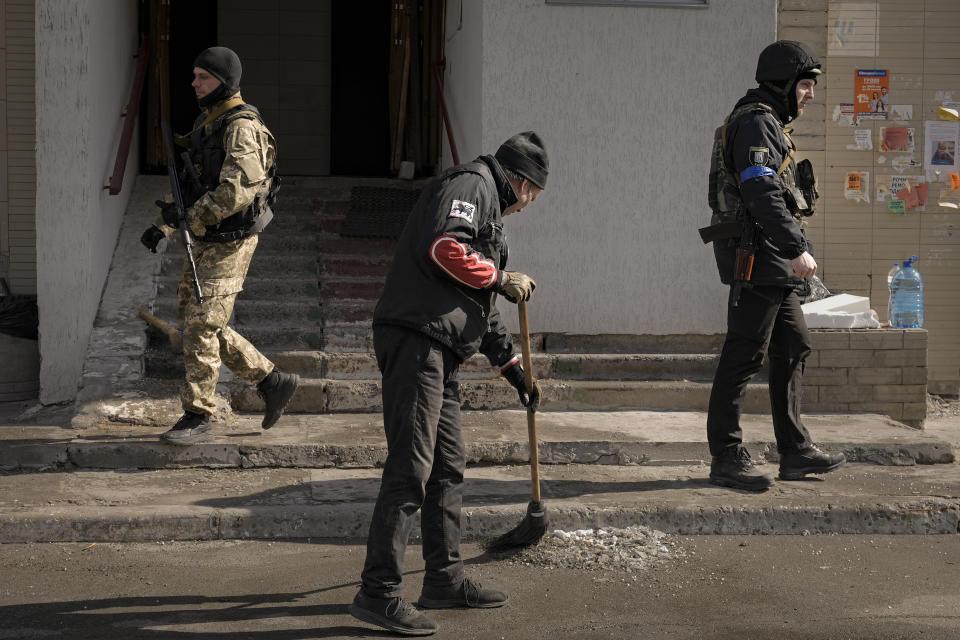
(724, 587)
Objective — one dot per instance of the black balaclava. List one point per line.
(525, 154)
(224, 65)
(781, 66)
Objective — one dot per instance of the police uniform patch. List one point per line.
(759, 156)
(461, 209)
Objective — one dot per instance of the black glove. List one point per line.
(152, 237)
(515, 376)
(516, 286)
(169, 212)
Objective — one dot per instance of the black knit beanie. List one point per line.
(224, 65)
(525, 154)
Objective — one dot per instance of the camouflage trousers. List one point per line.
(207, 340)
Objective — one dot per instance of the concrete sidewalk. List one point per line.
(347, 440)
(208, 504)
(316, 476)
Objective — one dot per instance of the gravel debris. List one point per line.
(940, 407)
(629, 549)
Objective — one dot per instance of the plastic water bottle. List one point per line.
(907, 290)
(890, 274)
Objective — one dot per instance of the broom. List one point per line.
(173, 334)
(534, 524)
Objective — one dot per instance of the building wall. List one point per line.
(85, 68)
(285, 50)
(18, 238)
(463, 79)
(627, 99)
(860, 240)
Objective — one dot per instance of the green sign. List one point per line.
(898, 207)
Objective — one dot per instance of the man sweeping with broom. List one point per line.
(438, 308)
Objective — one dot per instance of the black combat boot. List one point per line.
(736, 469)
(794, 466)
(466, 594)
(191, 428)
(276, 390)
(394, 614)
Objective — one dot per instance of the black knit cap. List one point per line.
(223, 64)
(525, 155)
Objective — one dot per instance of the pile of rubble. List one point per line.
(628, 549)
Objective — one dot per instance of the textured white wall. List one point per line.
(627, 99)
(84, 72)
(463, 87)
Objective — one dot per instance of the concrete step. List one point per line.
(699, 367)
(621, 343)
(276, 287)
(261, 265)
(111, 506)
(335, 244)
(350, 288)
(355, 440)
(336, 266)
(255, 311)
(323, 395)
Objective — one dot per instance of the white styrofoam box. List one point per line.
(840, 320)
(841, 302)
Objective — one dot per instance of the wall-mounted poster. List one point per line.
(871, 93)
(940, 149)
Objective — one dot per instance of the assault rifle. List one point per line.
(181, 210)
(746, 251)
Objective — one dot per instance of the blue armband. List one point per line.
(755, 172)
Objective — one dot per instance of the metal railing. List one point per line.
(129, 116)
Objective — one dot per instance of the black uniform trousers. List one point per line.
(767, 320)
(425, 462)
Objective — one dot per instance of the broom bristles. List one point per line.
(525, 534)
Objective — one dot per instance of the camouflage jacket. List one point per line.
(250, 152)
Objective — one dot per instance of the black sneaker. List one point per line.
(393, 614)
(276, 390)
(191, 428)
(467, 594)
(794, 466)
(736, 470)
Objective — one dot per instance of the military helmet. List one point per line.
(782, 62)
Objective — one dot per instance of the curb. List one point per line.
(152, 454)
(350, 522)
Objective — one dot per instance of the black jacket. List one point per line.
(420, 294)
(782, 239)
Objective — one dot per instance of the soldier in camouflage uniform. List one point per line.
(234, 158)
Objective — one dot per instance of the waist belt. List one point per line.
(259, 224)
(721, 231)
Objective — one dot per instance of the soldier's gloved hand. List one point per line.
(152, 237)
(515, 376)
(516, 286)
(169, 212)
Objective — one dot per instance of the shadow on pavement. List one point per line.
(146, 617)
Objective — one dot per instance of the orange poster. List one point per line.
(871, 94)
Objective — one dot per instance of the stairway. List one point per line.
(308, 301)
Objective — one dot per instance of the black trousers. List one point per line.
(768, 321)
(425, 462)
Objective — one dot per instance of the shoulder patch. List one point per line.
(759, 156)
(461, 209)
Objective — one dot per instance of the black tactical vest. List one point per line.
(797, 179)
(207, 154)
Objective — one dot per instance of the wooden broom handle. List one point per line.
(531, 414)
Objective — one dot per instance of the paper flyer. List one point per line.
(897, 138)
(871, 92)
(901, 112)
(940, 149)
(857, 186)
(889, 186)
(863, 140)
